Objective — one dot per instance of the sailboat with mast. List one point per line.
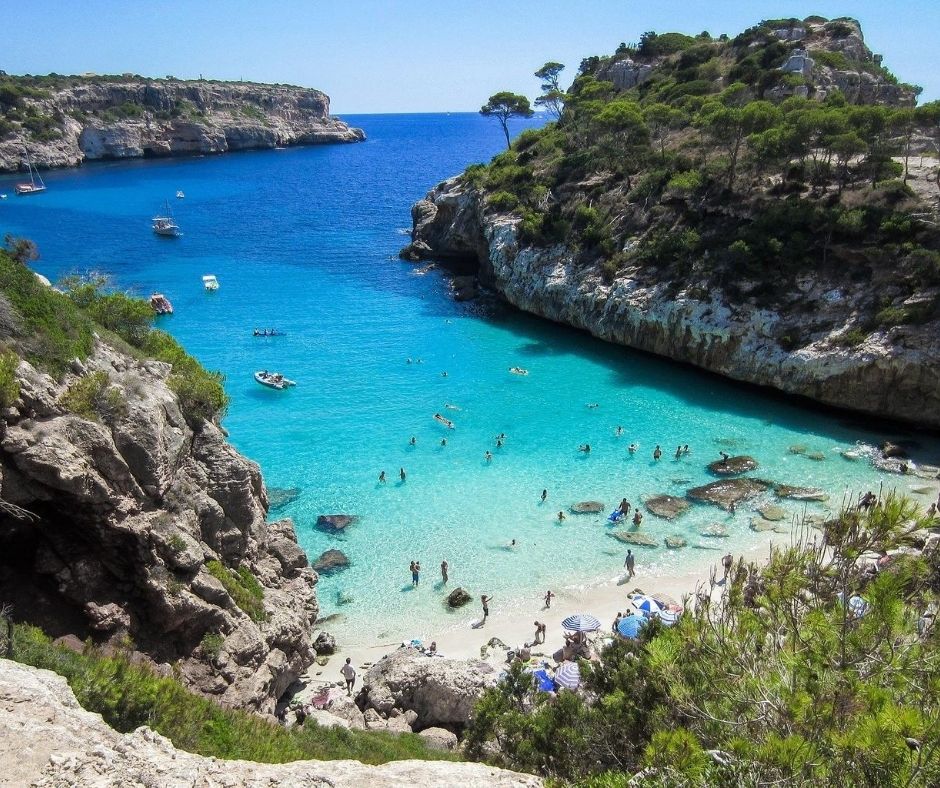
(164, 225)
(35, 185)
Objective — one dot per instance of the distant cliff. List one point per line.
(64, 121)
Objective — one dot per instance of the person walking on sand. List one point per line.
(382, 477)
(726, 562)
(548, 599)
(485, 601)
(349, 673)
(657, 452)
(444, 568)
(629, 563)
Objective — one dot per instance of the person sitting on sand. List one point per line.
(561, 516)
(432, 649)
(617, 619)
(382, 477)
(548, 598)
(657, 452)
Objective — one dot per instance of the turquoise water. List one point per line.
(305, 240)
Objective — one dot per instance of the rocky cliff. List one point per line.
(142, 530)
(723, 207)
(47, 739)
(64, 121)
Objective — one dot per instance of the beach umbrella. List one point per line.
(568, 675)
(857, 606)
(581, 622)
(645, 604)
(630, 626)
(543, 682)
(667, 617)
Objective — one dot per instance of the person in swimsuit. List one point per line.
(629, 563)
(414, 574)
(444, 568)
(625, 507)
(544, 495)
(401, 474)
(657, 452)
(443, 441)
(485, 601)
(413, 441)
(678, 451)
(637, 518)
(548, 598)
(382, 477)
(561, 516)
(349, 673)
(488, 457)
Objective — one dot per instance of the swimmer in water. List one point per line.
(585, 447)
(561, 516)
(402, 474)
(443, 374)
(632, 448)
(488, 457)
(499, 443)
(657, 452)
(678, 452)
(544, 495)
(686, 449)
(382, 477)
(619, 431)
(413, 441)
(443, 441)
(407, 360)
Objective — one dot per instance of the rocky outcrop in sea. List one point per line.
(92, 118)
(140, 531)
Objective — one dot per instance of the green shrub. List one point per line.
(9, 385)
(130, 695)
(686, 182)
(900, 315)
(503, 201)
(211, 645)
(851, 338)
(93, 397)
(243, 587)
(834, 60)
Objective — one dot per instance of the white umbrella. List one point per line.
(646, 604)
(581, 622)
(568, 675)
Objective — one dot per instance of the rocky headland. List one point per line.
(64, 121)
(651, 216)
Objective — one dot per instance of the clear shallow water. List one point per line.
(305, 240)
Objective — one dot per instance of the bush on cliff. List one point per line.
(782, 682)
(9, 385)
(129, 695)
(243, 587)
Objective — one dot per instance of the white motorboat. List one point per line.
(210, 282)
(518, 371)
(273, 380)
(160, 304)
(180, 195)
(35, 185)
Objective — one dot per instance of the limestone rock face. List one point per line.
(129, 511)
(47, 740)
(895, 372)
(439, 690)
(175, 118)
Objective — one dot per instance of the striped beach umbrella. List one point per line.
(646, 604)
(568, 675)
(667, 617)
(581, 622)
(631, 625)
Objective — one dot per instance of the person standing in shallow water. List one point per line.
(402, 474)
(485, 601)
(382, 477)
(544, 495)
(444, 568)
(637, 518)
(629, 563)
(548, 599)
(657, 452)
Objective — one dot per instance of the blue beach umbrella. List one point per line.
(581, 622)
(631, 625)
(646, 604)
(568, 675)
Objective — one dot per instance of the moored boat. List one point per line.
(518, 371)
(164, 225)
(273, 380)
(35, 185)
(210, 282)
(180, 195)
(160, 304)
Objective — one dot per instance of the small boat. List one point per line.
(32, 187)
(268, 332)
(273, 380)
(164, 226)
(160, 304)
(210, 282)
(3, 196)
(180, 195)
(518, 371)
(446, 422)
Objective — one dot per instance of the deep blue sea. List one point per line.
(305, 240)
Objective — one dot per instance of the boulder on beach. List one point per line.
(634, 537)
(279, 497)
(667, 506)
(714, 530)
(733, 465)
(771, 511)
(324, 644)
(458, 598)
(336, 523)
(587, 507)
(675, 542)
(726, 493)
(331, 561)
(800, 493)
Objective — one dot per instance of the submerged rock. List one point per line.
(800, 493)
(727, 493)
(279, 497)
(458, 598)
(331, 561)
(818, 456)
(587, 507)
(336, 523)
(675, 542)
(715, 531)
(667, 506)
(760, 525)
(634, 537)
(770, 511)
(733, 465)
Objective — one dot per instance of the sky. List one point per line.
(409, 56)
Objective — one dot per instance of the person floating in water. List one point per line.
(625, 507)
(444, 567)
(443, 374)
(632, 448)
(561, 516)
(548, 598)
(544, 495)
(488, 456)
(443, 441)
(686, 449)
(408, 361)
(585, 447)
(637, 518)
(657, 452)
(499, 443)
(619, 431)
(592, 405)
(382, 477)
(402, 474)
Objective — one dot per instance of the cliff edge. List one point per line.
(64, 121)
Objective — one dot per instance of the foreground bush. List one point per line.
(779, 683)
(128, 696)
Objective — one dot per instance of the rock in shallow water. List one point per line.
(800, 493)
(675, 542)
(772, 512)
(733, 465)
(587, 507)
(331, 561)
(634, 537)
(667, 506)
(458, 598)
(279, 497)
(336, 523)
(726, 493)
(714, 530)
